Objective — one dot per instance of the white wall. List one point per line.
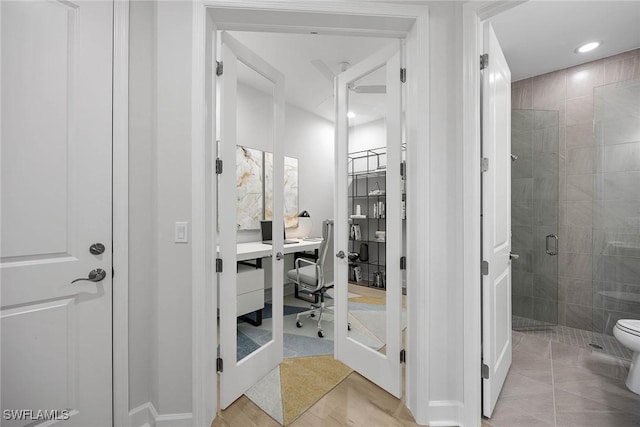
(143, 273)
(308, 137)
(160, 195)
(438, 326)
(367, 136)
(173, 145)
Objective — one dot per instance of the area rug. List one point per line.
(298, 383)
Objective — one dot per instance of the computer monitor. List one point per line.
(267, 236)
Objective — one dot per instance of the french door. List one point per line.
(369, 336)
(251, 148)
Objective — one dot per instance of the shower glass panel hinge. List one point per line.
(484, 164)
(403, 75)
(484, 268)
(485, 371)
(219, 365)
(218, 265)
(218, 166)
(219, 68)
(484, 61)
(403, 263)
(403, 356)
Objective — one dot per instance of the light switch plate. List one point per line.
(181, 232)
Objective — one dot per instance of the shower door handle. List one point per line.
(549, 250)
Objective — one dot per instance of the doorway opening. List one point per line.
(336, 19)
(283, 308)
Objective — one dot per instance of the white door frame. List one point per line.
(203, 290)
(120, 190)
(474, 13)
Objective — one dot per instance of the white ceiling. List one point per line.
(537, 37)
(306, 87)
(540, 36)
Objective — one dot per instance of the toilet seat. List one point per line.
(630, 326)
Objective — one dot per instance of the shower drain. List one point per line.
(599, 347)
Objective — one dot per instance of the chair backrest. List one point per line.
(325, 253)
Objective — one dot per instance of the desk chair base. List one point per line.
(315, 309)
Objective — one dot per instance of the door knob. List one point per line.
(340, 254)
(96, 248)
(279, 256)
(94, 276)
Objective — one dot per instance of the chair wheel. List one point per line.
(299, 324)
(321, 333)
(348, 326)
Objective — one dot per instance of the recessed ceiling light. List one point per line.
(587, 47)
(351, 114)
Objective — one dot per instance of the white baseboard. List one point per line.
(146, 415)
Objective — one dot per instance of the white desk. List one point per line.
(251, 286)
(253, 250)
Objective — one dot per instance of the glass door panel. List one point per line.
(251, 218)
(534, 217)
(368, 218)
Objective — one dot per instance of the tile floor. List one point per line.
(556, 384)
(566, 335)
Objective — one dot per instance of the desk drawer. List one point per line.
(249, 279)
(249, 302)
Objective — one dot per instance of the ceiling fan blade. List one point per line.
(370, 89)
(323, 69)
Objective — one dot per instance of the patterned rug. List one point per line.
(301, 382)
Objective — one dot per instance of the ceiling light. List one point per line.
(587, 47)
(351, 114)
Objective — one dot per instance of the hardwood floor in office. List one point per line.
(354, 402)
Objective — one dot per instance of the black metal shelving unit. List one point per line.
(367, 189)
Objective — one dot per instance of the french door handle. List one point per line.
(94, 276)
(340, 255)
(513, 256)
(548, 249)
(279, 256)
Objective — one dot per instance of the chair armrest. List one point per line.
(319, 276)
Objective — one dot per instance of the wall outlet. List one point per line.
(181, 232)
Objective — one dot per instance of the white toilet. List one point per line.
(627, 331)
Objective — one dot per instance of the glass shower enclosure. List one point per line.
(616, 211)
(534, 217)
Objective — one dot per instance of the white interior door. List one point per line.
(56, 204)
(372, 343)
(496, 221)
(251, 147)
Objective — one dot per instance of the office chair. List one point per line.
(316, 277)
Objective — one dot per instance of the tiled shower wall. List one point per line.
(571, 93)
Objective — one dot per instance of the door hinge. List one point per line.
(218, 166)
(219, 68)
(219, 365)
(113, 273)
(403, 263)
(484, 268)
(403, 169)
(403, 75)
(485, 371)
(484, 61)
(218, 265)
(484, 164)
(403, 356)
